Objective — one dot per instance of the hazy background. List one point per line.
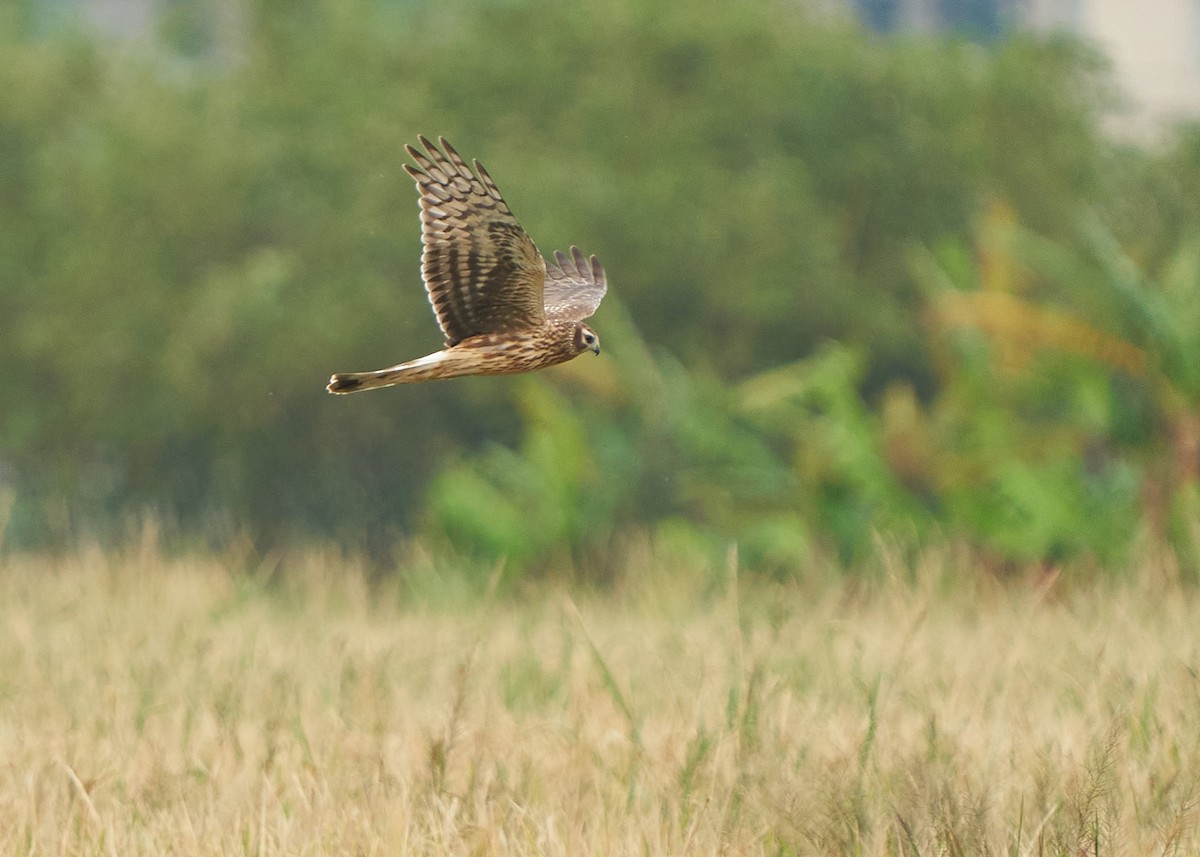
(915, 271)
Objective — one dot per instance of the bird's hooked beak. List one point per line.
(596, 349)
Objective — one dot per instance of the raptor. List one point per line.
(502, 307)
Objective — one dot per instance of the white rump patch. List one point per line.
(428, 360)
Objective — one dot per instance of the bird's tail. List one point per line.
(353, 382)
(346, 382)
(443, 364)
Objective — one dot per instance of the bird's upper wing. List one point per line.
(481, 270)
(574, 286)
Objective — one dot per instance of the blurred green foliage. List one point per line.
(195, 232)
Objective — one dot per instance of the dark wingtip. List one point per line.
(343, 384)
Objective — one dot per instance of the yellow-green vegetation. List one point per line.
(151, 705)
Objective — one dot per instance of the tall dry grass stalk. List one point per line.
(159, 706)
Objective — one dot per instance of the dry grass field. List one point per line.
(183, 706)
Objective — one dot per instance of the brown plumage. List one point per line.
(501, 306)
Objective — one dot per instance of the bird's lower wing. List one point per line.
(574, 287)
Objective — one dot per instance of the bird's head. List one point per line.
(586, 339)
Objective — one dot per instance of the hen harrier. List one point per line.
(502, 307)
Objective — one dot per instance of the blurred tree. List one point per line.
(194, 235)
(788, 165)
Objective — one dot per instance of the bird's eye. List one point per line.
(589, 338)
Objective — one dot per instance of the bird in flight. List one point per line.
(502, 307)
